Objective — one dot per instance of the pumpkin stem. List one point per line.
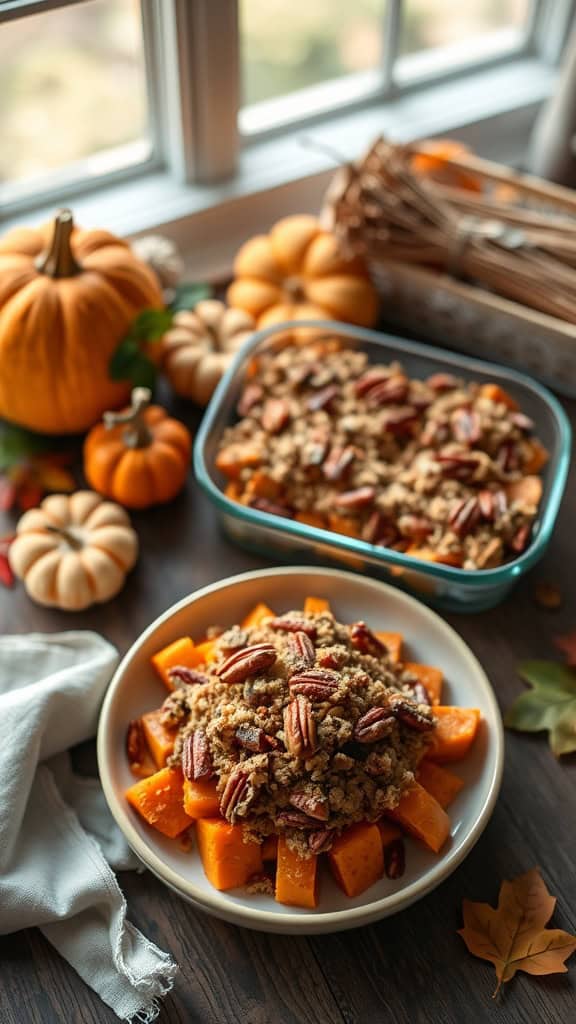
(58, 260)
(138, 434)
(66, 535)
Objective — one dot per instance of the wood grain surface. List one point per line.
(409, 969)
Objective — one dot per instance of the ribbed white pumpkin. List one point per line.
(74, 550)
(199, 346)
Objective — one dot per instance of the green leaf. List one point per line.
(18, 444)
(188, 294)
(549, 705)
(143, 372)
(120, 365)
(150, 325)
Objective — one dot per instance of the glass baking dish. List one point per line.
(444, 586)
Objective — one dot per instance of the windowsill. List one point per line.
(493, 110)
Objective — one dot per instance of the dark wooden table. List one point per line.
(409, 969)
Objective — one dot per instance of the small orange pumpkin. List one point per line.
(67, 298)
(139, 457)
(300, 272)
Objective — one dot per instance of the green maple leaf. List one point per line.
(549, 705)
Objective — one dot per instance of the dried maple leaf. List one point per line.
(25, 483)
(567, 644)
(514, 936)
(549, 705)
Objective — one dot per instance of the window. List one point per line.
(73, 88)
(149, 113)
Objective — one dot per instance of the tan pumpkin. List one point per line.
(67, 298)
(300, 272)
(73, 550)
(199, 347)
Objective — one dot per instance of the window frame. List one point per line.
(207, 189)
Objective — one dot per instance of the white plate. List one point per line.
(135, 688)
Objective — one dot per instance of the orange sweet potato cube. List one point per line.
(432, 679)
(296, 878)
(201, 799)
(158, 800)
(160, 740)
(316, 605)
(255, 618)
(227, 860)
(442, 784)
(181, 652)
(393, 642)
(421, 815)
(357, 858)
(455, 732)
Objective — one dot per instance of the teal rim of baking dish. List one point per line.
(501, 574)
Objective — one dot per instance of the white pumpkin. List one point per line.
(199, 347)
(74, 550)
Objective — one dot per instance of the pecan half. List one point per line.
(320, 842)
(492, 504)
(364, 640)
(323, 399)
(466, 426)
(190, 676)
(370, 379)
(297, 819)
(196, 757)
(394, 859)
(300, 727)
(338, 462)
(318, 684)
(378, 530)
(442, 382)
(288, 625)
(250, 397)
(392, 391)
(373, 725)
(326, 659)
(236, 791)
(135, 742)
(508, 457)
(358, 498)
(457, 467)
(410, 715)
(272, 507)
(246, 662)
(275, 415)
(464, 516)
(414, 527)
(302, 650)
(399, 420)
(252, 737)
(313, 806)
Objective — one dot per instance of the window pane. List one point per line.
(72, 86)
(430, 24)
(290, 44)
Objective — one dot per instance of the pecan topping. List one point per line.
(323, 399)
(421, 694)
(364, 640)
(492, 504)
(378, 530)
(464, 516)
(320, 842)
(302, 650)
(314, 454)
(135, 742)
(275, 415)
(297, 819)
(523, 422)
(251, 737)
(399, 420)
(272, 507)
(250, 397)
(508, 457)
(415, 527)
(442, 382)
(359, 498)
(190, 676)
(370, 379)
(394, 859)
(520, 539)
(196, 757)
(392, 391)
(338, 462)
(466, 426)
(328, 660)
(246, 662)
(374, 725)
(300, 727)
(236, 791)
(313, 806)
(409, 714)
(288, 625)
(318, 684)
(457, 467)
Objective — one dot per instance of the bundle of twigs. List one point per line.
(511, 234)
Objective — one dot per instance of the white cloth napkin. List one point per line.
(58, 840)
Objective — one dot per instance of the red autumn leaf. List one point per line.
(6, 574)
(567, 644)
(8, 494)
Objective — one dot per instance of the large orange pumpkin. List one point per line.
(299, 272)
(67, 298)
